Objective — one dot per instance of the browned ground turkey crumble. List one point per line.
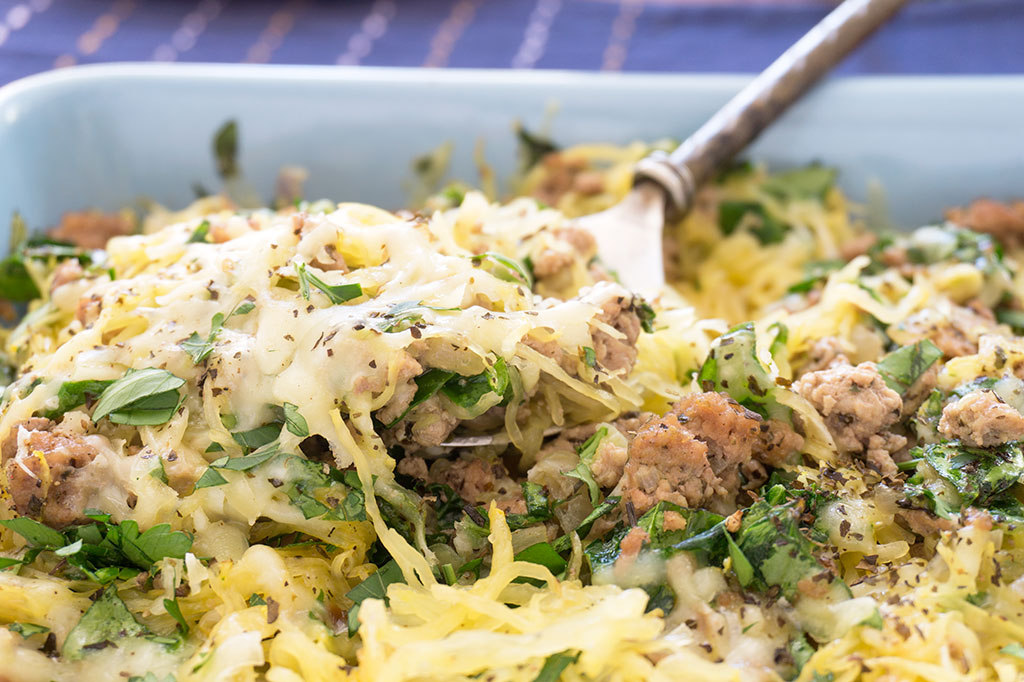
(826, 352)
(618, 353)
(957, 334)
(92, 229)
(694, 455)
(571, 244)
(1005, 222)
(859, 409)
(54, 484)
(475, 480)
(981, 419)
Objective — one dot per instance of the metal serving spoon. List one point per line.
(629, 234)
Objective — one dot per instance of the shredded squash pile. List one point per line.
(329, 441)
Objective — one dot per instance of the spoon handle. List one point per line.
(743, 118)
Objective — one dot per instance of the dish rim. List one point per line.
(248, 73)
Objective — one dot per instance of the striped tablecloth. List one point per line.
(931, 36)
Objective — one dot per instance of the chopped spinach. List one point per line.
(545, 555)
(770, 550)
(538, 507)
(353, 506)
(702, 533)
(764, 226)
(174, 610)
(981, 477)
(466, 392)
(564, 542)
(902, 368)
(374, 587)
(810, 182)
(427, 384)
(26, 630)
(16, 284)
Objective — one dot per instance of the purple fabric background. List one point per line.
(931, 36)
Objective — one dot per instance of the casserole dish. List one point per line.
(102, 136)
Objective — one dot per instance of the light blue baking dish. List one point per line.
(103, 136)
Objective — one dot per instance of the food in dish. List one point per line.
(226, 441)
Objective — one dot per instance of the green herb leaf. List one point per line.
(148, 411)
(295, 422)
(337, 293)
(15, 282)
(26, 630)
(353, 505)
(427, 384)
(1013, 649)
(68, 550)
(554, 666)
(763, 225)
(174, 610)
(874, 621)
(589, 357)
(532, 147)
(466, 392)
(71, 394)
(247, 462)
(199, 235)
(105, 623)
(8, 562)
(374, 587)
(225, 149)
(809, 182)
(198, 348)
(646, 314)
(544, 554)
(403, 315)
(504, 268)
(35, 533)
(587, 451)
(814, 272)
(257, 600)
(210, 479)
(258, 437)
(538, 507)
(564, 542)
(903, 367)
(741, 566)
(140, 389)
